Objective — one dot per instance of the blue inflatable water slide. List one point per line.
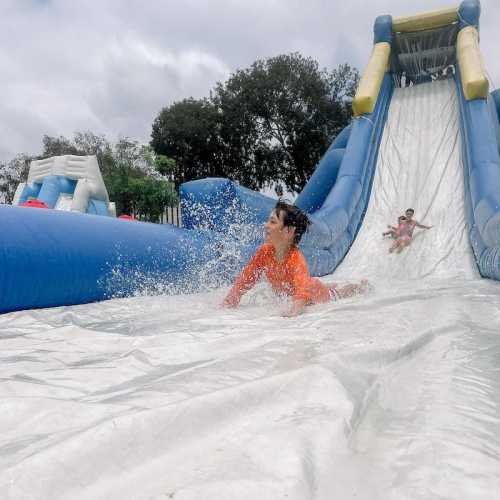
(77, 251)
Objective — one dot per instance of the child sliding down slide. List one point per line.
(395, 231)
(404, 232)
(285, 266)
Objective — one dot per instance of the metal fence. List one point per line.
(172, 215)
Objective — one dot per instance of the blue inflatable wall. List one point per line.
(336, 224)
(325, 174)
(51, 258)
(217, 204)
(482, 181)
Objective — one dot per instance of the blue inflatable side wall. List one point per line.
(482, 181)
(321, 182)
(30, 191)
(324, 177)
(340, 142)
(76, 258)
(494, 105)
(336, 224)
(495, 95)
(97, 207)
(469, 12)
(217, 204)
(53, 186)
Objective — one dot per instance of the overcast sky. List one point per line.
(109, 66)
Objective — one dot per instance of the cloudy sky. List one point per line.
(109, 66)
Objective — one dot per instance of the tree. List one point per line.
(58, 146)
(83, 143)
(343, 82)
(16, 170)
(89, 143)
(13, 173)
(188, 132)
(151, 197)
(290, 111)
(267, 123)
(163, 164)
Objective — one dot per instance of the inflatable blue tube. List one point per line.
(221, 205)
(336, 224)
(469, 12)
(97, 207)
(495, 95)
(321, 182)
(494, 105)
(382, 29)
(325, 174)
(53, 186)
(340, 142)
(58, 258)
(482, 181)
(30, 191)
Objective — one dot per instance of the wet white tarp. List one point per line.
(391, 395)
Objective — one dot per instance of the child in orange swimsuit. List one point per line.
(285, 266)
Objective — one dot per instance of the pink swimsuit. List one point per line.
(404, 231)
(401, 229)
(410, 227)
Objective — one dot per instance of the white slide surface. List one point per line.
(419, 166)
(393, 395)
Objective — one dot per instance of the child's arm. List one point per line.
(246, 280)
(301, 282)
(421, 226)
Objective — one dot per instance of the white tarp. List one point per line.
(392, 395)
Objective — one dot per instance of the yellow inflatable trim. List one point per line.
(425, 21)
(470, 61)
(369, 86)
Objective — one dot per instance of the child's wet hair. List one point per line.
(293, 217)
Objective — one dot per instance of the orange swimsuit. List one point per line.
(290, 277)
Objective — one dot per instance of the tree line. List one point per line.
(267, 124)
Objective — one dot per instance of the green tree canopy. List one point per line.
(270, 122)
(188, 132)
(11, 174)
